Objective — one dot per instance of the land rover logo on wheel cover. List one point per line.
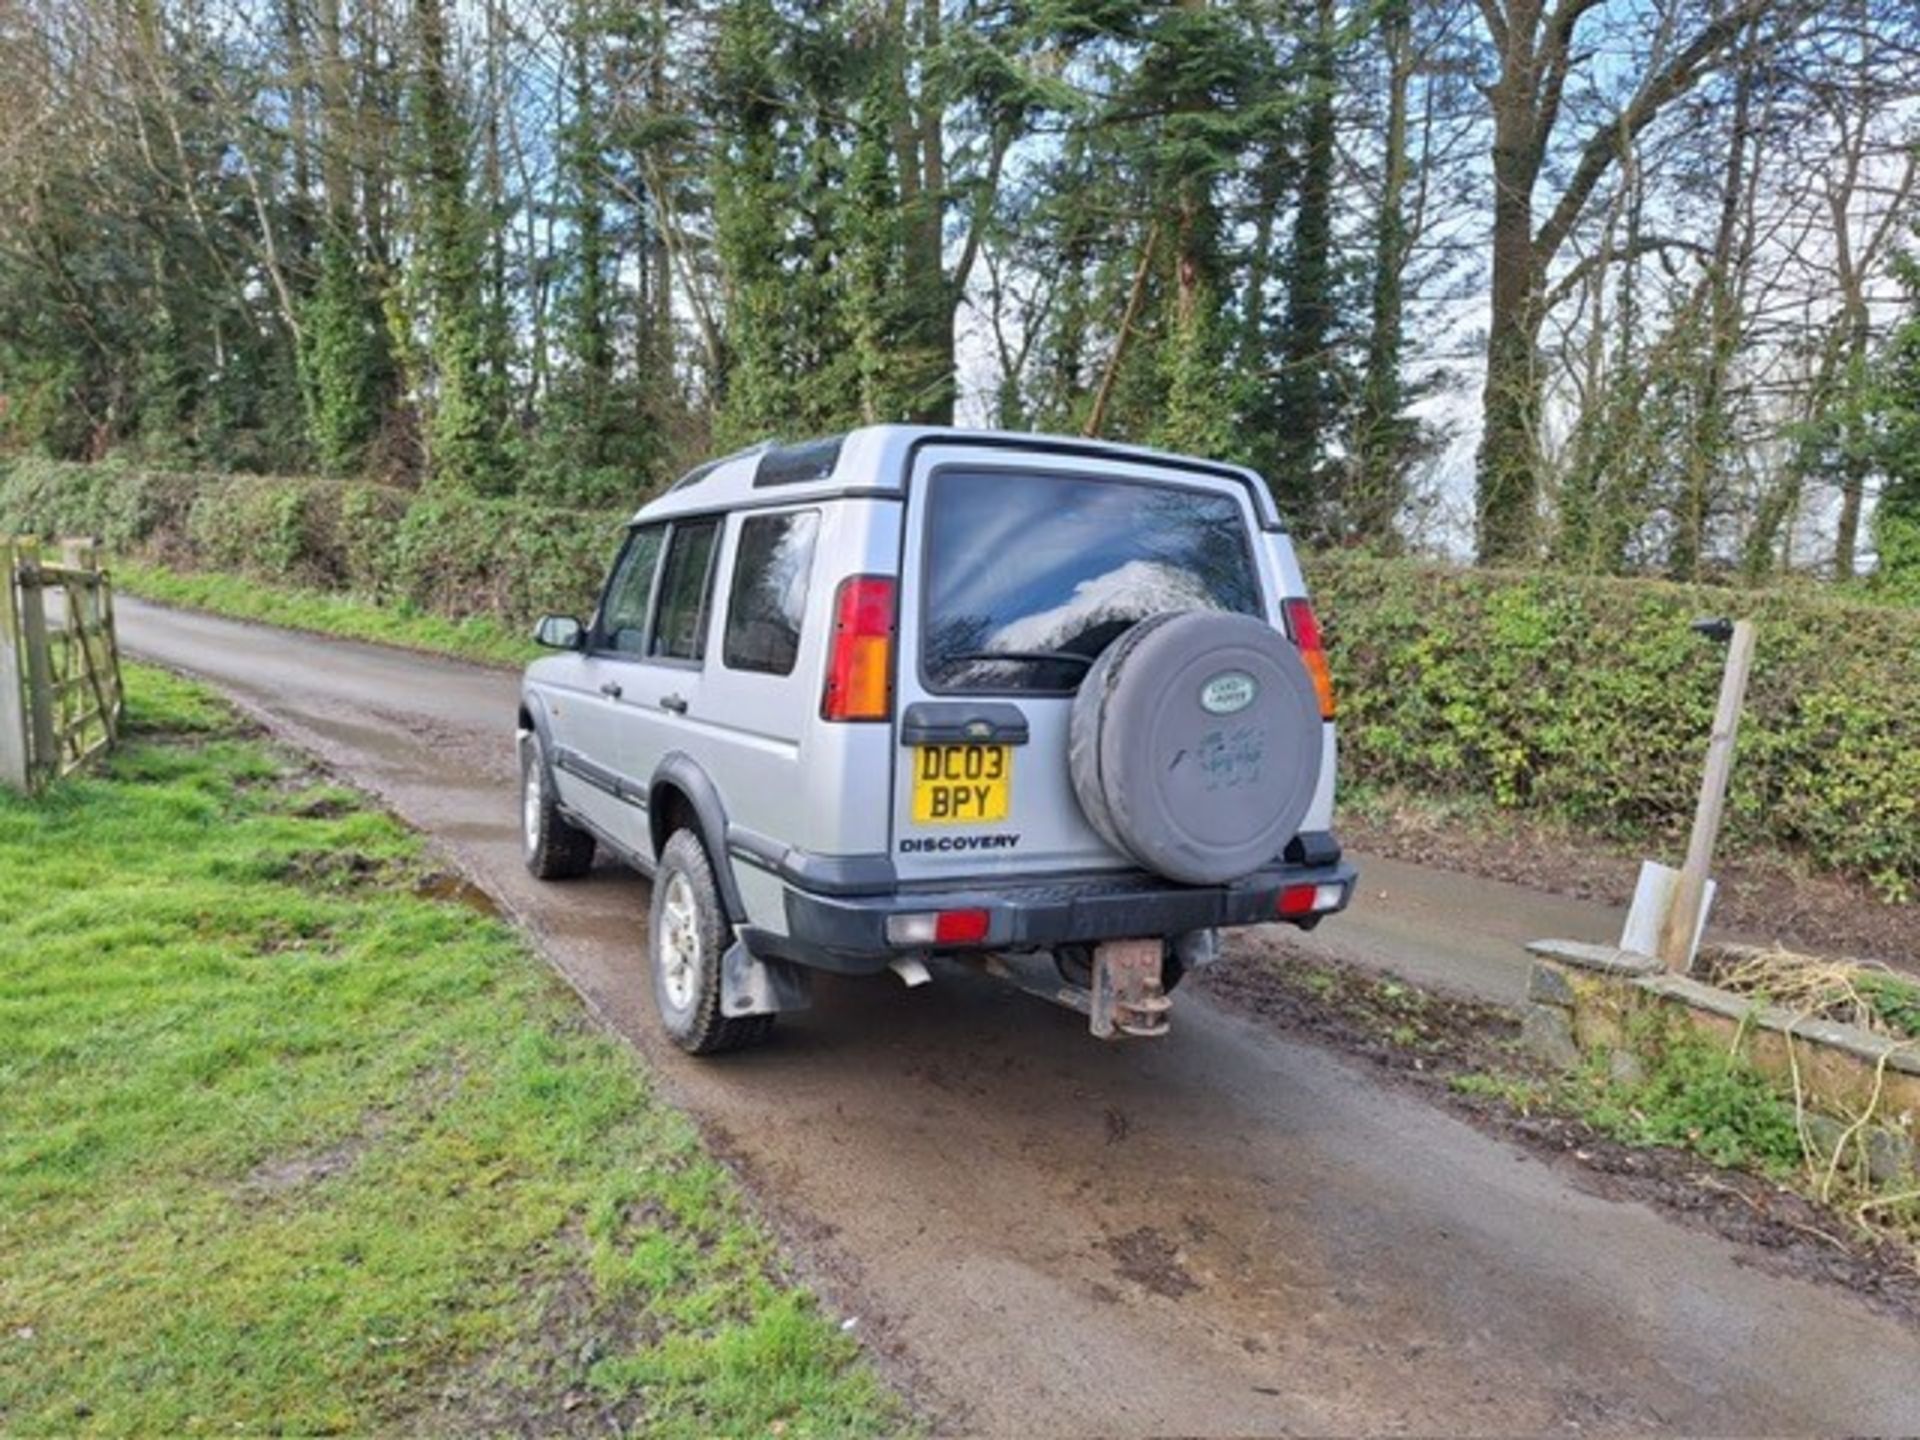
(1228, 692)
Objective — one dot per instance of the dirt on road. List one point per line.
(1232, 1231)
(1428, 1043)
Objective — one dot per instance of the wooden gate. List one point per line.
(60, 693)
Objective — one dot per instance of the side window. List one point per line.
(623, 614)
(680, 620)
(768, 597)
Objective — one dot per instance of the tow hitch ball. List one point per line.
(1127, 995)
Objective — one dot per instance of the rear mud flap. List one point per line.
(751, 986)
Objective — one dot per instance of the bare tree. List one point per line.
(1538, 50)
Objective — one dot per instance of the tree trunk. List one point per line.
(1309, 320)
(336, 118)
(1853, 464)
(1705, 453)
(1538, 50)
(658, 318)
(931, 298)
(493, 209)
(1136, 295)
(1379, 453)
(469, 398)
(591, 341)
(1509, 440)
(299, 139)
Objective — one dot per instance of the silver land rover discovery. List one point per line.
(908, 692)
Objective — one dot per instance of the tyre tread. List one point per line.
(565, 851)
(709, 1032)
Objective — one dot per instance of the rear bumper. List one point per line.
(849, 932)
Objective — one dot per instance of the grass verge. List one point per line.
(477, 638)
(288, 1143)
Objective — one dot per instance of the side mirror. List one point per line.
(559, 632)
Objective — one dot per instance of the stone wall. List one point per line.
(1855, 1088)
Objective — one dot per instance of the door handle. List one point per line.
(611, 689)
(674, 703)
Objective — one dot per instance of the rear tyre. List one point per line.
(687, 936)
(553, 847)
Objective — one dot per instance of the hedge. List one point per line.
(451, 554)
(1591, 700)
(1585, 699)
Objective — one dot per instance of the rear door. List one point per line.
(1020, 569)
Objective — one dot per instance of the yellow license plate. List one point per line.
(961, 784)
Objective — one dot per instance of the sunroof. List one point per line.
(695, 475)
(700, 472)
(796, 464)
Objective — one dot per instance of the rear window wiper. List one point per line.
(1025, 657)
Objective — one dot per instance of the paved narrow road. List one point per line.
(1226, 1232)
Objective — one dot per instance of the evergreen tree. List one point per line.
(749, 215)
(1896, 520)
(1067, 233)
(784, 228)
(165, 396)
(1199, 412)
(346, 369)
(589, 301)
(1195, 62)
(467, 426)
(343, 357)
(1196, 93)
(570, 247)
(874, 247)
(598, 438)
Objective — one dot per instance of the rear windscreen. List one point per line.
(1030, 576)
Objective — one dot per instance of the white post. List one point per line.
(1689, 892)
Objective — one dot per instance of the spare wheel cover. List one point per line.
(1196, 744)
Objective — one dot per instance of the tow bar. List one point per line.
(1127, 998)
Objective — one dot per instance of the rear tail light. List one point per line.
(938, 927)
(1303, 627)
(860, 658)
(1298, 900)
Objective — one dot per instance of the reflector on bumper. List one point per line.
(1297, 900)
(937, 927)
